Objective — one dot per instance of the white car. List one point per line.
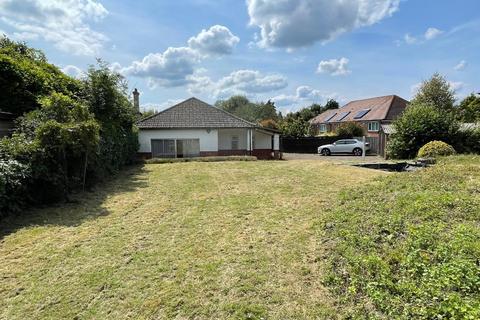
(353, 146)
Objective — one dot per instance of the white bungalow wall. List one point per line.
(208, 138)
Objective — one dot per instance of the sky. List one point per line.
(294, 52)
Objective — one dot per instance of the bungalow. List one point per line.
(194, 128)
(373, 114)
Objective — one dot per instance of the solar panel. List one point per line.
(331, 117)
(343, 115)
(361, 113)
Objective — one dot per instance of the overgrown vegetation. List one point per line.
(408, 246)
(432, 116)
(434, 149)
(69, 133)
(350, 129)
(293, 124)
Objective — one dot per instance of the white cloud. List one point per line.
(160, 106)
(334, 67)
(304, 95)
(240, 82)
(218, 40)
(178, 66)
(432, 33)
(168, 69)
(299, 23)
(460, 66)
(73, 71)
(410, 39)
(456, 85)
(61, 22)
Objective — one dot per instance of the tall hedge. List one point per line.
(70, 134)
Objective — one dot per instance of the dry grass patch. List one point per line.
(186, 240)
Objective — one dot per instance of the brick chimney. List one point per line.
(136, 100)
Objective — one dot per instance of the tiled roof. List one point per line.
(193, 113)
(380, 108)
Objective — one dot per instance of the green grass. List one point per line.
(408, 246)
(252, 240)
(226, 240)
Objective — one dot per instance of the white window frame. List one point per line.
(373, 126)
(322, 128)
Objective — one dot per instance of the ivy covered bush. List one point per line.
(434, 149)
(69, 133)
(13, 176)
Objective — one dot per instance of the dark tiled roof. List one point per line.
(193, 113)
(381, 108)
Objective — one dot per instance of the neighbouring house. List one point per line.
(194, 128)
(373, 114)
(6, 123)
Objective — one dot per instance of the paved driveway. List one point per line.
(335, 158)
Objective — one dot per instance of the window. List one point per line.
(323, 128)
(234, 142)
(360, 114)
(373, 126)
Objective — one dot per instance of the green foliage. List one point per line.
(26, 76)
(468, 140)
(250, 111)
(13, 177)
(350, 129)
(407, 247)
(70, 134)
(435, 92)
(269, 123)
(469, 109)
(105, 93)
(434, 149)
(297, 124)
(418, 125)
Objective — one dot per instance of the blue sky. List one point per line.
(294, 52)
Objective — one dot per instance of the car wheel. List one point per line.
(325, 152)
(357, 152)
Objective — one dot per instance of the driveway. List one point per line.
(336, 158)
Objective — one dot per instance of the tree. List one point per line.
(350, 129)
(26, 77)
(250, 111)
(420, 124)
(436, 92)
(469, 109)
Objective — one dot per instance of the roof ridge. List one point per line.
(160, 112)
(236, 117)
(390, 95)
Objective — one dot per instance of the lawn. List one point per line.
(184, 240)
(300, 239)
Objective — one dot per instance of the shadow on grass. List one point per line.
(82, 205)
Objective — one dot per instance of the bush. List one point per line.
(419, 125)
(13, 175)
(434, 149)
(468, 141)
(350, 129)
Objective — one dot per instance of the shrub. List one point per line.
(468, 141)
(350, 129)
(436, 148)
(419, 125)
(13, 175)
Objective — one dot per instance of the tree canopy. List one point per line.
(436, 92)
